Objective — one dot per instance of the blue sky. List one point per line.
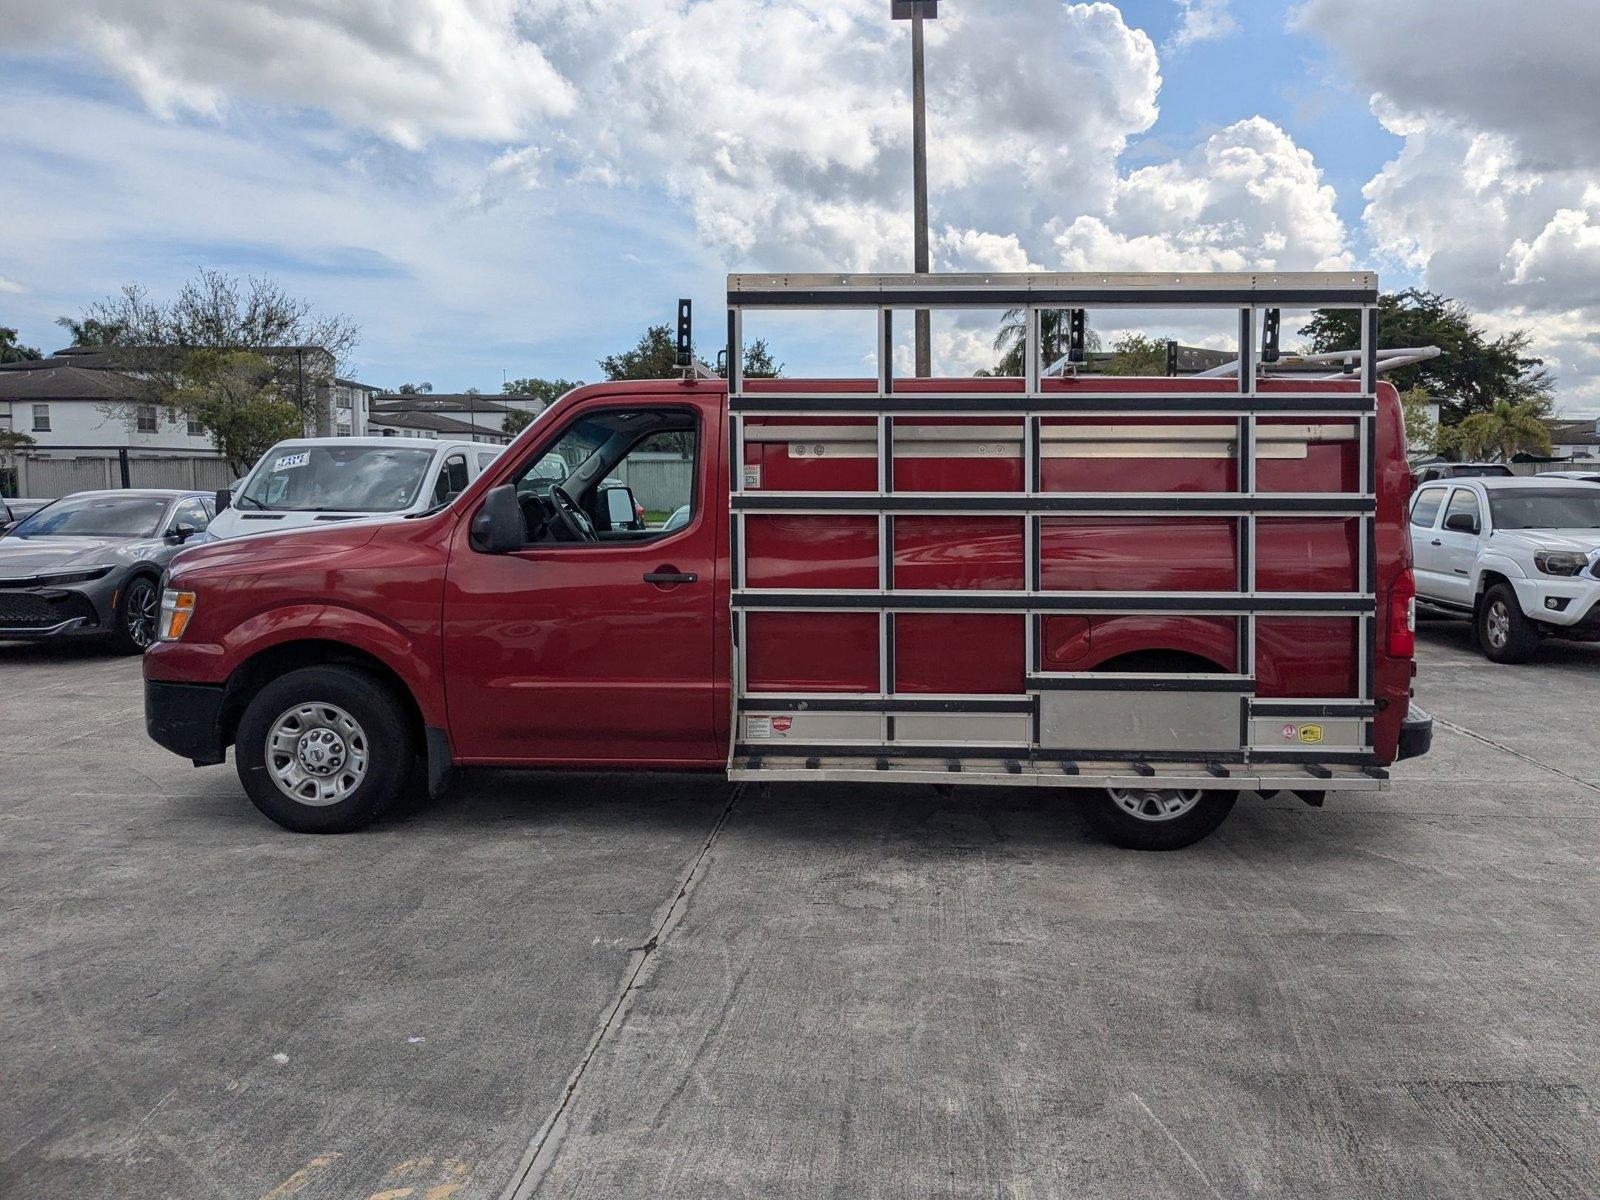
(520, 186)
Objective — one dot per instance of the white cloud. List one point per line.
(1495, 196)
(1202, 21)
(1249, 198)
(410, 70)
(11, 286)
(785, 128)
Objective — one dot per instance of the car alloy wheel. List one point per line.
(317, 754)
(1497, 626)
(141, 608)
(1155, 804)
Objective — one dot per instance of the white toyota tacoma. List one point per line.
(1520, 557)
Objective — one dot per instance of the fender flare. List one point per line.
(415, 664)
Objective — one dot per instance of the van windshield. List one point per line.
(1563, 508)
(336, 479)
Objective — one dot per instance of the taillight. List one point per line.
(1403, 616)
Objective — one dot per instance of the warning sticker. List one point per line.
(782, 724)
(1311, 734)
(752, 475)
(292, 460)
(758, 727)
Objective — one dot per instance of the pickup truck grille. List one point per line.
(31, 610)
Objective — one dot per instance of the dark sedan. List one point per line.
(90, 565)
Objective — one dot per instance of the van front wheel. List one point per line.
(1157, 818)
(323, 750)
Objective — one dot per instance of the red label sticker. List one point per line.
(782, 724)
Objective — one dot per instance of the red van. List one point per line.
(1159, 591)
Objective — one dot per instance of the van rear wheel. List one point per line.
(1158, 818)
(323, 750)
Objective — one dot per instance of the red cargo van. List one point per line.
(1161, 592)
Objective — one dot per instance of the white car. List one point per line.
(1520, 557)
(308, 482)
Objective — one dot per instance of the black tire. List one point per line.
(381, 736)
(1173, 833)
(138, 609)
(1504, 634)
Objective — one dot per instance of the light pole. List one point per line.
(915, 11)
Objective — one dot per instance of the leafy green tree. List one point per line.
(1422, 431)
(240, 400)
(1504, 431)
(1474, 373)
(13, 351)
(1136, 354)
(90, 332)
(545, 391)
(656, 357)
(216, 314)
(411, 389)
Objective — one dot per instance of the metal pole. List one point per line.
(919, 157)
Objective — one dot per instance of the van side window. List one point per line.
(1426, 508)
(485, 457)
(452, 479)
(631, 472)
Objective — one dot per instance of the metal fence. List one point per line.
(48, 477)
(660, 482)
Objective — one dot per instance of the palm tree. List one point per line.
(1504, 431)
(1012, 337)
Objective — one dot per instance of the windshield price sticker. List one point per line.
(292, 460)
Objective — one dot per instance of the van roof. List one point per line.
(393, 443)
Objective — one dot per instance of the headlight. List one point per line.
(176, 609)
(72, 577)
(1560, 562)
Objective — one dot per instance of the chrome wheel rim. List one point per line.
(1498, 624)
(1154, 804)
(317, 754)
(142, 606)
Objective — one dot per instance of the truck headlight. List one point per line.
(1560, 562)
(176, 609)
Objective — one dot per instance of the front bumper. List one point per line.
(186, 718)
(1577, 599)
(1416, 734)
(37, 613)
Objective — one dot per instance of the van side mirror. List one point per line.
(498, 527)
(224, 499)
(620, 510)
(1461, 523)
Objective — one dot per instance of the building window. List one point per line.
(196, 429)
(145, 416)
(41, 418)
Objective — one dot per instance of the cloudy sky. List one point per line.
(520, 186)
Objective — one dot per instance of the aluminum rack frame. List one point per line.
(1240, 759)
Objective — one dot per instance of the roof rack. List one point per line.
(1036, 727)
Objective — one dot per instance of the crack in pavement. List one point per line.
(545, 1145)
(1527, 758)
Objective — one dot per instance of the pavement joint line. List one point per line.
(541, 1151)
(1527, 758)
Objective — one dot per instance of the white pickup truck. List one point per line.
(1520, 557)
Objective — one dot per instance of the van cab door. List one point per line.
(593, 645)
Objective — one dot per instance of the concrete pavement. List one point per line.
(599, 987)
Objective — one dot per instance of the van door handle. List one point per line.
(1437, 542)
(668, 577)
